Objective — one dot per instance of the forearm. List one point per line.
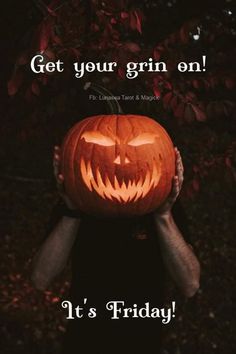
(54, 253)
(178, 256)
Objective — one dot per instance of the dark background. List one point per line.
(33, 322)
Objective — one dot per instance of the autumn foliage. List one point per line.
(198, 108)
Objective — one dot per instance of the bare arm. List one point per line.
(55, 251)
(178, 256)
(53, 255)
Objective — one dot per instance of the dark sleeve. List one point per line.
(181, 220)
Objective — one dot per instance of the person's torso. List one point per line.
(118, 258)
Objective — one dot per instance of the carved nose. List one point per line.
(119, 162)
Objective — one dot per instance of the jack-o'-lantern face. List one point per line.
(118, 164)
(125, 186)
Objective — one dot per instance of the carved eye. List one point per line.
(142, 139)
(97, 138)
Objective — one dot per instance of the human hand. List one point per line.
(165, 208)
(60, 179)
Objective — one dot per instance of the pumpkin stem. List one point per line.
(113, 104)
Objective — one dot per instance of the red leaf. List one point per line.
(189, 192)
(14, 83)
(196, 84)
(139, 23)
(49, 54)
(189, 115)
(200, 115)
(229, 83)
(113, 21)
(174, 103)
(206, 83)
(35, 88)
(228, 107)
(220, 108)
(179, 111)
(196, 185)
(135, 22)
(184, 34)
(213, 81)
(44, 35)
(172, 38)
(190, 96)
(43, 79)
(216, 108)
(121, 73)
(156, 80)
(132, 21)
(51, 12)
(132, 47)
(28, 94)
(157, 92)
(53, 4)
(156, 54)
(94, 27)
(23, 58)
(167, 85)
(76, 52)
(124, 15)
(166, 99)
(228, 162)
(55, 38)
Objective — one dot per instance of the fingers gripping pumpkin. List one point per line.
(117, 165)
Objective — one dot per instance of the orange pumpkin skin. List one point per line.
(117, 165)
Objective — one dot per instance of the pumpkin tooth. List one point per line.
(133, 193)
(116, 183)
(96, 183)
(109, 187)
(139, 189)
(124, 192)
(86, 173)
(128, 194)
(114, 191)
(146, 184)
(124, 195)
(111, 193)
(121, 189)
(100, 185)
(94, 174)
(123, 186)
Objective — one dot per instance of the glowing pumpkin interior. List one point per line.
(118, 164)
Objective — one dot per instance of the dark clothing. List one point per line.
(108, 260)
(117, 260)
(109, 263)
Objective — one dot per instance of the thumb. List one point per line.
(60, 184)
(175, 190)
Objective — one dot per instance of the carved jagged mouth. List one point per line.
(123, 192)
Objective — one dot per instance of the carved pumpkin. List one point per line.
(117, 165)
